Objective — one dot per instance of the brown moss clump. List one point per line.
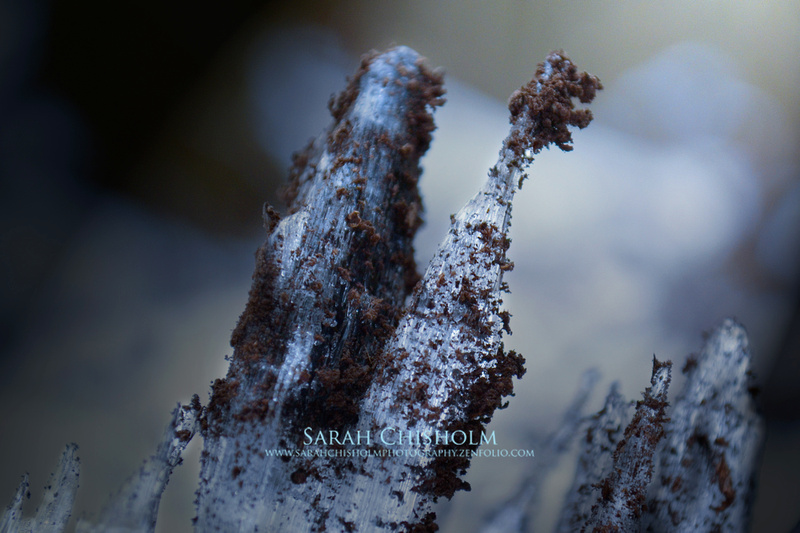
(543, 109)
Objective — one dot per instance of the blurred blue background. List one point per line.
(138, 141)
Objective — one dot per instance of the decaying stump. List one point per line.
(325, 343)
(343, 344)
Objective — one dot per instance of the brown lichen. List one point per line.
(380, 249)
(546, 104)
(722, 476)
(426, 525)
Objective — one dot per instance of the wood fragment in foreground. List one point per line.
(328, 291)
(326, 343)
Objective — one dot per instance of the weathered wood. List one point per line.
(623, 491)
(703, 470)
(327, 342)
(324, 325)
(58, 498)
(513, 515)
(444, 369)
(708, 464)
(13, 516)
(595, 461)
(340, 334)
(134, 508)
(328, 290)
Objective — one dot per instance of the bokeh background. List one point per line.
(138, 141)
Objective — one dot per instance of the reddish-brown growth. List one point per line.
(626, 486)
(543, 109)
(722, 475)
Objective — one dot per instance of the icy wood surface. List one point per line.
(55, 508)
(709, 461)
(623, 491)
(513, 515)
(341, 334)
(328, 287)
(595, 461)
(324, 342)
(135, 507)
(692, 471)
(327, 342)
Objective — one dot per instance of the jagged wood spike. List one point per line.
(595, 461)
(12, 520)
(328, 289)
(513, 515)
(324, 326)
(709, 460)
(59, 495)
(623, 491)
(134, 508)
(446, 369)
(57, 500)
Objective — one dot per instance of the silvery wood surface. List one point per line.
(341, 259)
(623, 490)
(595, 460)
(692, 471)
(57, 500)
(324, 324)
(134, 508)
(330, 276)
(708, 463)
(441, 366)
(513, 515)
